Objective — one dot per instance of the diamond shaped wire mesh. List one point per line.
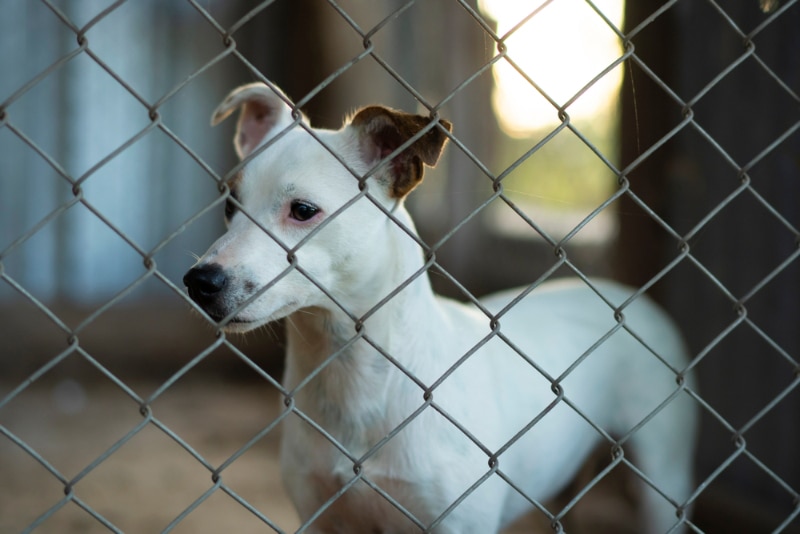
(153, 116)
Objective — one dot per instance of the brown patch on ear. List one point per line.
(382, 130)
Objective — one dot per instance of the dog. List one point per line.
(410, 412)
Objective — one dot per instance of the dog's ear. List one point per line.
(382, 130)
(264, 112)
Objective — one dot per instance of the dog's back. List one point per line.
(594, 377)
(528, 398)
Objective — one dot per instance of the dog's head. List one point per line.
(300, 226)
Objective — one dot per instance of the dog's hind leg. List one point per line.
(663, 451)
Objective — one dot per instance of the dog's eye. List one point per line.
(302, 211)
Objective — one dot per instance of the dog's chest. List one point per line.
(364, 457)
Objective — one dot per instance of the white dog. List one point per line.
(411, 412)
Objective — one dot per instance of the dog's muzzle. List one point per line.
(206, 284)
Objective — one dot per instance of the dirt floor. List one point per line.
(151, 479)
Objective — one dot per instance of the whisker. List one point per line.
(193, 255)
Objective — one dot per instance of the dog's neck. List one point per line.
(319, 331)
(357, 350)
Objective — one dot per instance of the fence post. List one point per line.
(640, 247)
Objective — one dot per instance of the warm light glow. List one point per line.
(562, 48)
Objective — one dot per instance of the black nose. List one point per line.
(205, 282)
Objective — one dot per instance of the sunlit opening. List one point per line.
(562, 48)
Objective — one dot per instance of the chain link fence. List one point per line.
(101, 88)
